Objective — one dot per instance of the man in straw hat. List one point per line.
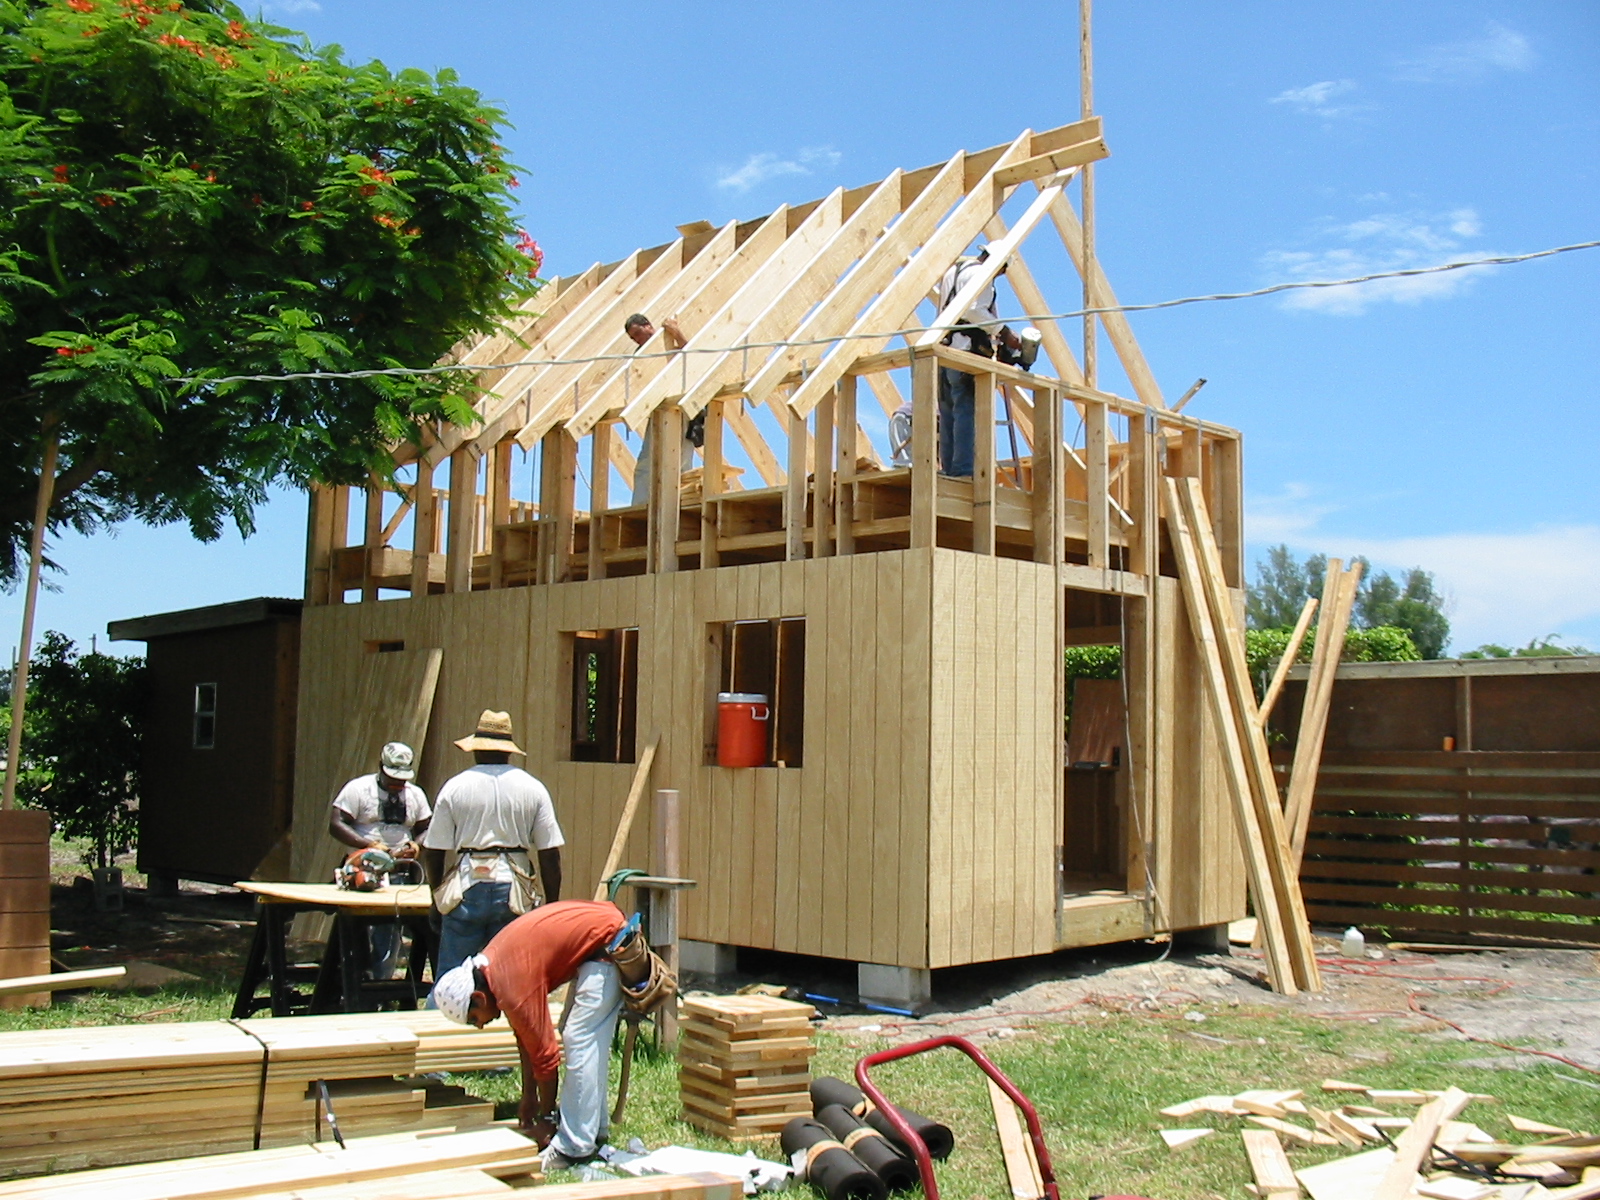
(485, 821)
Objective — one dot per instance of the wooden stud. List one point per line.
(498, 503)
(424, 527)
(794, 499)
(823, 474)
(462, 517)
(851, 437)
(711, 460)
(983, 465)
(599, 496)
(1048, 477)
(557, 505)
(1097, 451)
(1225, 479)
(1089, 266)
(319, 542)
(924, 447)
(666, 471)
(371, 537)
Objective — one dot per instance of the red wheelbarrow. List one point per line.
(919, 1148)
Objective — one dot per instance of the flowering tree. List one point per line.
(186, 192)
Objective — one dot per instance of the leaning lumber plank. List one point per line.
(1412, 1148)
(1022, 1165)
(1269, 1164)
(1260, 871)
(220, 1176)
(619, 842)
(1290, 653)
(62, 979)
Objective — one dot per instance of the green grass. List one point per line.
(1098, 1085)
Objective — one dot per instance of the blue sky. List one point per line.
(1448, 423)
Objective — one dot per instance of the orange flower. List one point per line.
(105, 201)
(80, 5)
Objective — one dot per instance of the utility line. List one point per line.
(449, 368)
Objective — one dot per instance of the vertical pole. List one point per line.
(424, 527)
(371, 535)
(924, 447)
(983, 464)
(319, 542)
(794, 500)
(1226, 477)
(664, 902)
(1098, 449)
(666, 471)
(711, 462)
(498, 505)
(849, 436)
(822, 490)
(561, 465)
(463, 520)
(339, 539)
(30, 601)
(1086, 107)
(1048, 460)
(599, 497)
(1139, 664)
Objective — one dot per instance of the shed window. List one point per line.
(766, 658)
(205, 716)
(605, 695)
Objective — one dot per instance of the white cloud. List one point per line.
(1382, 242)
(1499, 49)
(759, 168)
(1316, 99)
(1286, 517)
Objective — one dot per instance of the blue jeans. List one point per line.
(586, 1045)
(484, 911)
(957, 399)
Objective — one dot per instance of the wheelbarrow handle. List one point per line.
(919, 1148)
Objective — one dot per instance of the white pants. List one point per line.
(585, 1112)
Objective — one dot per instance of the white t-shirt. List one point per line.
(984, 307)
(362, 801)
(493, 804)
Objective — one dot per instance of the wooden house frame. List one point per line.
(933, 819)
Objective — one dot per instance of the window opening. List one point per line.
(205, 716)
(605, 695)
(763, 658)
(385, 647)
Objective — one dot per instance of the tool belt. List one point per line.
(646, 981)
(460, 876)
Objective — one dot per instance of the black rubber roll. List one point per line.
(898, 1172)
(830, 1168)
(826, 1090)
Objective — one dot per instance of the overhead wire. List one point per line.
(745, 347)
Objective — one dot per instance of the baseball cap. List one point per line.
(397, 761)
(452, 993)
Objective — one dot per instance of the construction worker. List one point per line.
(387, 811)
(590, 945)
(640, 329)
(976, 333)
(475, 852)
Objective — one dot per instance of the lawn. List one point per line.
(1097, 1084)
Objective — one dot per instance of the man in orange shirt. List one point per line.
(570, 941)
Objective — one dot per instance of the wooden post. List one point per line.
(463, 519)
(794, 496)
(558, 483)
(1048, 480)
(30, 602)
(424, 527)
(666, 470)
(850, 439)
(599, 496)
(319, 542)
(339, 540)
(668, 863)
(498, 503)
(1225, 480)
(924, 451)
(371, 538)
(711, 464)
(822, 488)
(1098, 450)
(1139, 665)
(1086, 110)
(983, 464)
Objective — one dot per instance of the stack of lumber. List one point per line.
(1427, 1153)
(96, 1096)
(485, 1163)
(24, 902)
(744, 1064)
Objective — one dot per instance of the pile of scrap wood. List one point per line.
(96, 1096)
(744, 1064)
(1429, 1154)
(1267, 832)
(486, 1163)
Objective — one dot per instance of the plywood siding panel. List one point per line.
(837, 834)
(888, 726)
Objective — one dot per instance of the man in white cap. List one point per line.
(485, 822)
(388, 811)
(585, 943)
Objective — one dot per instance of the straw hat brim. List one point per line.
(479, 742)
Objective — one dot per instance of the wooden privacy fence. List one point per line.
(1465, 845)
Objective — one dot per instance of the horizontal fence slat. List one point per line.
(1547, 881)
(1339, 799)
(1335, 914)
(1417, 827)
(1326, 846)
(1451, 898)
(1512, 784)
(1393, 760)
